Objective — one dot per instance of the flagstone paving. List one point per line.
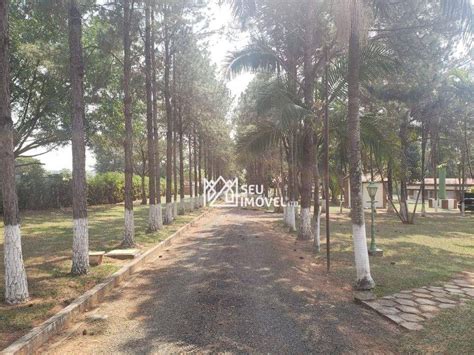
(410, 308)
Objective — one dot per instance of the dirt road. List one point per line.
(233, 284)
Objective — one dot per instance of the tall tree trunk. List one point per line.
(423, 167)
(169, 130)
(403, 135)
(190, 172)
(144, 198)
(364, 279)
(175, 139)
(211, 166)
(153, 216)
(175, 166)
(465, 147)
(80, 244)
(317, 207)
(181, 162)
(435, 169)
(158, 212)
(206, 161)
(326, 159)
(143, 176)
(305, 231)
(390, 185)
(291, 208)
(129, 233)
(16, 285)
(200, 166)
(292, 150)
(196, 191)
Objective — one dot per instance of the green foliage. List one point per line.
(39, 66)
(38, 189)
(109, 188)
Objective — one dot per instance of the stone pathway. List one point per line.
(410, 308)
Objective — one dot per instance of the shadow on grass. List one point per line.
(429, 252)
(47, 244)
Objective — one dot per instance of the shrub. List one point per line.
(38, 190)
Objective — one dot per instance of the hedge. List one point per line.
(39, 190)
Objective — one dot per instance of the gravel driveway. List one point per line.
(233, 284)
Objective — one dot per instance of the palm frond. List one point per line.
(459, 10)
(254, 58)
(257, 139)
(376, 62)
(275, 101)
(243, 9)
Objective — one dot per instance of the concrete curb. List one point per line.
(31, 341)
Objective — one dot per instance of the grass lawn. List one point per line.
(448, 333)
(47, 243)
(429, 252)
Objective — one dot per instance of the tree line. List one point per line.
(133, 81)
(351, 87)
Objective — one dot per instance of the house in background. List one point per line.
(380, 197)
(453, 188)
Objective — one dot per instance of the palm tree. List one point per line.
(128, 237)
(354, 10)
(16, 285)
(80, 246)
(307, 170)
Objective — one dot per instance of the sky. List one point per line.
(220, 44)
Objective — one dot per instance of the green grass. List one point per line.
(448, 333)
(47, 243)
(430, 252)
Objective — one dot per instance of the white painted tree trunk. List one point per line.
(292, 216)
(317, 232)
(323, 206)
(129, 232)
(175, 210)
(423, 210)
(182, 207)
(153, 218)
(404, 211)
(305, 232)
(16, 284)
(80, 247)
(191, 204)
(436, 205)
(168, 213)
(159, 215)
(285, 215)
(361, 253)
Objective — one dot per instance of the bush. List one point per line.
(109, 188)
(38, 190)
